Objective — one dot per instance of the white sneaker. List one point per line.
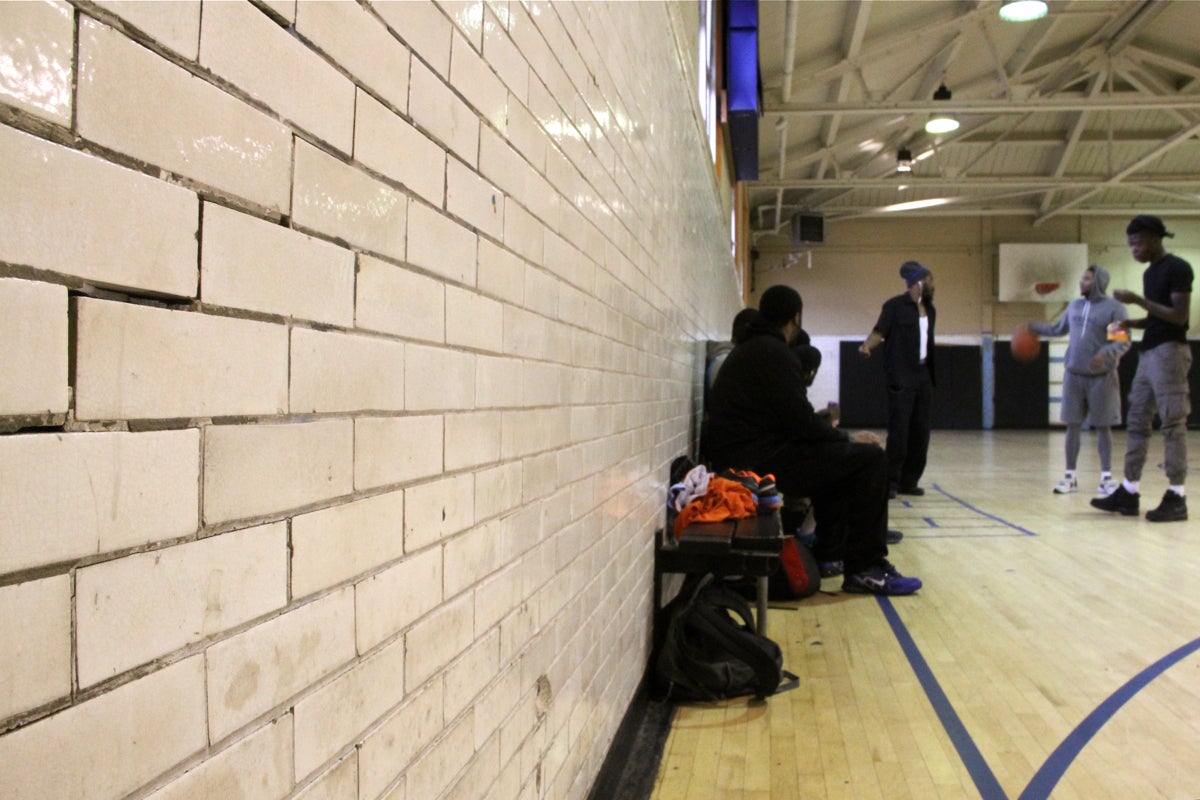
(1107, 486)
(1066, 485)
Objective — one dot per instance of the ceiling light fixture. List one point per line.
(1022, 10)
(940, 121)
(904, 160)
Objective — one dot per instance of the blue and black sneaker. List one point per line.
(882, 579)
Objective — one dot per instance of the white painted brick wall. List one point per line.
(127, 231)
(379, 360)
(35, 643)
(341, 710)
(335, 544)
(145, 107)
(254, 470)
(345, 372)
(138, 608)
(251, 264)
(79, 494)
(33, 327)
(241, 46)
(253, 672)
(111, 744)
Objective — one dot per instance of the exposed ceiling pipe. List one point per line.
(792, 15)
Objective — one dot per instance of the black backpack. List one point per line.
(711, 650)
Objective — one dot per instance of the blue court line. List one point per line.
(1046, 778)
(929, 521)
(965, 504)
(985, 780)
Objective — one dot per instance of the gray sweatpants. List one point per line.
(1160, 384)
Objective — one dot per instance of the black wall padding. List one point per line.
(957, 399)
(1022, 398)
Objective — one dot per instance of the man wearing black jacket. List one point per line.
(761, 420)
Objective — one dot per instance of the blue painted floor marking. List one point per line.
(977, 767)
(1046, 778)
(983, 513)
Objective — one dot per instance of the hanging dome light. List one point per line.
(940, 121)
(904, 160)
(1022, 10)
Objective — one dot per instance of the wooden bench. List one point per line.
(749, 547)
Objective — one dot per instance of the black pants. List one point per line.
(910, 412)
(848, 486)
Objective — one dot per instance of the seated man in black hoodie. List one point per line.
(760, 419)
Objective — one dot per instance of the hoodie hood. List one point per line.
(1099, 284)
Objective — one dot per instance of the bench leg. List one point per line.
(762, 605)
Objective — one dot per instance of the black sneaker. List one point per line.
(1173, 508)
(1121, 501)
(915, 491)
(894, 537)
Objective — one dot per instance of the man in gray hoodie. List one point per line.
(1090, 389)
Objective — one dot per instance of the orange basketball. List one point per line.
(1025, 345)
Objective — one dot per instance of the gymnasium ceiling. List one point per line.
(1093, 109)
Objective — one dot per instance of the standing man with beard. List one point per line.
(905, 328)
(1091, 390)
(1161, 382)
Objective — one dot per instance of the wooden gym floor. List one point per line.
(1052, 652)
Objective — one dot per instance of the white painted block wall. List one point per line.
(345, 350)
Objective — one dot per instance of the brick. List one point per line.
(111, 744)
(37, 40)
(534, 431)
(472, 76)
(474, 199)
(497, 490)
(472, 439)
(245, 47)
(437, 640)
(252, 470)
(387, 603)
(483, 768)
(263, 667)
(506, 59)
(77, 494)
(387, 144)
(126, 231)
(335, 544)
(175, 25)
(337, 714)
(389, 750)
(434, 771)
(340, 782)
(423, 27)
(340, 201)
(437, 378)
(472, 320)
(396, 300)
(258, 766)
(496, 597)
(499, 382)
(440, 245)
(447, 118)
(471, 556)
(523, 233)
(252, 264)
(436, 510)
(133, 101)
(144, 606)
(183, 365)
(390, 450)
(35, 644)
(467, 676)
(360, 43)
(501, 273)
(345, 372)
(33, 327)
